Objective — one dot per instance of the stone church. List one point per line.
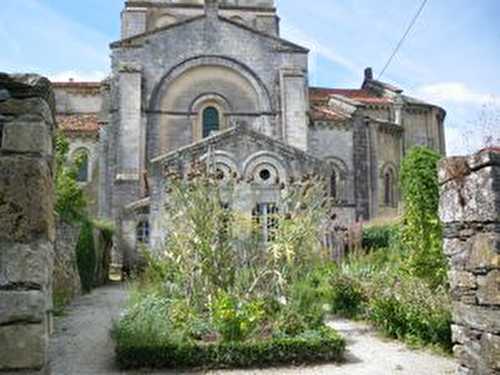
(192, 78)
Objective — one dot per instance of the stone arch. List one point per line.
(225, 162)
(263, 101)
(204, 101)
(83, 155)
(338, 177)
(389, 183)
(265, 168)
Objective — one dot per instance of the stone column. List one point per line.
(470, 211)
(27, 227)
(362, 153)
(294, 112)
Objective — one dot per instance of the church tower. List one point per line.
(144, 16)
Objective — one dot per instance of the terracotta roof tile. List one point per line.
(76, 84)
(322, 95)
(80, 124)
(325, 113)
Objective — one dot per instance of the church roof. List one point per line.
(322, 95)
(223, 137)
(326, 113)
(80, 124)
(129, 41)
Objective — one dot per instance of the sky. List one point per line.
(451, 57)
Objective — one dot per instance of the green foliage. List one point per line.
(70, 199)
(318, 346)
(86, 256)
(106, 228)
(411, 311)
(377, 287)
(227, 297)
(347, 296)
(379, 237)
(422, 231)
(235, 320)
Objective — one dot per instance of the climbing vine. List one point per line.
(422, 231)
(70, 198)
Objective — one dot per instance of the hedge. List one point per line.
(324, 345)
(86, 256)
(379, 237)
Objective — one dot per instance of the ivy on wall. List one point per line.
(422, 232)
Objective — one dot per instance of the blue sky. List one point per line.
(451, 57)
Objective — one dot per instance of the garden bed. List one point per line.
(320, 346)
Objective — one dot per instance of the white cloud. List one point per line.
(454, 92)
(82, 76)
(48, 41)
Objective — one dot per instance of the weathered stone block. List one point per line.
(490, 352)
(467, 355)
(483, 254)
(23, 346)
(26, 264)
(26, 199)
(462, 334)
(24, 306)
(28, 109)
(478, 253)
(489, 288)
(471, 198)
(27, 137)
(477, 317)
(462, 280)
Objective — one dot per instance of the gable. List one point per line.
(279, 43)
(242, 148)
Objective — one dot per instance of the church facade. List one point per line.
(197, 78)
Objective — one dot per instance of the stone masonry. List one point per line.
(66, 282)
(470, 211)
(27, 227)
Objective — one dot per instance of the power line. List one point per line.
(400, 44)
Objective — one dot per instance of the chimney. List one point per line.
(368, 74)
(212, 8)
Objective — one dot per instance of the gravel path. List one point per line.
(81, 345)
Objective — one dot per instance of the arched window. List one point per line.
(389, 196)
(211, 121)
(142, 232)
(82, 163)
(334, 188)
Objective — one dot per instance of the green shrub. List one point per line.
(347, 296)
(378, 237)
(236, 320)
(86, 256)
(311, 347)
(410, 310)
(70, 202)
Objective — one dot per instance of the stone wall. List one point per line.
(66, 279)
(470, 211)
(27, 229)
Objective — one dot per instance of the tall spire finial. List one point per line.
(211, 8)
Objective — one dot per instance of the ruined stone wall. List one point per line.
(27, 229)
(470, 211)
